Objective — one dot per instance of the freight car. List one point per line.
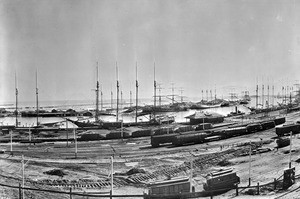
(117, 135)
(162, 131)
(221, 181)
(141, 133)
(286, 129)
(231, 132)
(255, 127)
(267, 124)
(182, 129)
(279, 120)
(192, 138)
(156, 140)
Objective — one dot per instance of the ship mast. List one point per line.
(118, 88)
(16, 100)
(97, 95)
(37, 98)
(154, 92)
(136, 92)
(101, 93)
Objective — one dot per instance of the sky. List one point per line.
(227, 45)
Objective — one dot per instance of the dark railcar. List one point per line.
(90, 137)
(231, 132)
(221, 181)
(267, 125)
(163, 131)
(286, 129)
(252, 128)
(279, 120)
(195, 138)
(156, 140)
(117, 135)
(141, 133)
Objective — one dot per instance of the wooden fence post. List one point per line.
(258, 188)
(274, 183)
(237, 190)
(70, 192)
(110, 194)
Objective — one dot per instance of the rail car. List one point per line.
(232, 132)
(141, 133)
(182, 129)
(287, 129)
(192, 138)
(162, 139)
(221, 181)
(162, 131)
(255, 127)
(279, 120)
(267, 124)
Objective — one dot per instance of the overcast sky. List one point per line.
(195, 44)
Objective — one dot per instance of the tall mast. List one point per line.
(202, 94)
(154, 92)
(262, 96)
(111, 99)
(268, 96)
(130, 98)
(273, 95)
(118, 88)
(172, 93)
(101, 93)
(16, 99)
(37, 98)
(136, 92)
(256, 96)
(97, 95)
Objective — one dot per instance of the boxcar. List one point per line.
(156, 140)
(221, 181)
(231, 132)
(286, 129)
(173, 186)
(267, 124)
(180, 140)
(279, 120)
(252, 128)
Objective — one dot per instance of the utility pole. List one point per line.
(290, 163)
(202, 94)
(23, 176)
(112, 175)
(262, 96)
(250, 151)
(67, 130)
(172, 93)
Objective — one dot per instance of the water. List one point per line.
(80, 105)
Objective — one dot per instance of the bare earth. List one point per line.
(89, 172)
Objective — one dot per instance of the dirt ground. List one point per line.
(89, 171)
